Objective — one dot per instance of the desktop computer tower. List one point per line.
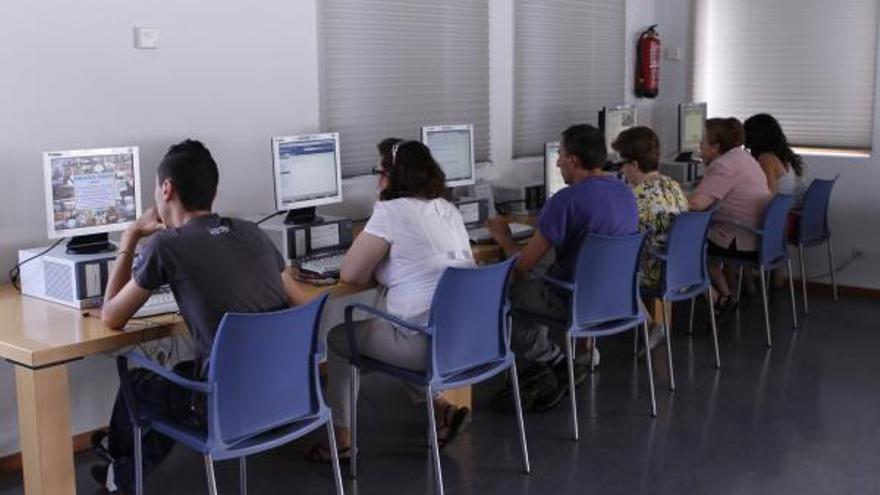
(297, 241)
(75, 280)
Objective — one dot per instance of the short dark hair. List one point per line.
(726, 133)
(191, 168)
(640, 144)
(587, 143)
(385, 146)
(413, 173)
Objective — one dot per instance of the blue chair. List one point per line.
(262, 391)
(685, 275)
(772, 252)
(605, 300)
(813, 229)
(468, 342)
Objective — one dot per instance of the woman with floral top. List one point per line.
(660, 199)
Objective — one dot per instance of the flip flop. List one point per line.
(455, 427)
(320, 453)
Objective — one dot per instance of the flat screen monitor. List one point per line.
(90, 193)
(691, 122)
(307, 174)
(615, 120)
(453, 148)
(553, 180)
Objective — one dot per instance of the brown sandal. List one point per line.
(320, 453)
(454, 421)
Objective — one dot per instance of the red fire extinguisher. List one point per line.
(648, 64)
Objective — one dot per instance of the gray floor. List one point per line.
(802, 418)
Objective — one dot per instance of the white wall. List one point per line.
(229, 73)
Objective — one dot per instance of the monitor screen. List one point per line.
(453, 148)
(470, 212)
(92, 191)
(691, 121)
(616, 120)
(553, 180)
(307, 171)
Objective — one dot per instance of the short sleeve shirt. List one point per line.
(425, 237)
(660, 200)
(214, 265)
(737, 182)
(598, 205)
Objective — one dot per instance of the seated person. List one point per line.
(213, 265)
(413, 235)
(592, 203)
(660, 199)
(736, 181)
(767, 143)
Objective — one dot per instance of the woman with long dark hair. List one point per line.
(767, 143)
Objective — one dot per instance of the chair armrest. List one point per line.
(553, 281)
(385, 316)
(738, 225)
(165, 373)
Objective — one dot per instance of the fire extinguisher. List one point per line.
(648, 64)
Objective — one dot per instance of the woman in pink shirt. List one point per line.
(735, 180)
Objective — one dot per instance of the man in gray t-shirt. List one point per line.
(214, 265)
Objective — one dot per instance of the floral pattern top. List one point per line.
(660, 200)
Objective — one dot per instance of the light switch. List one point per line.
(672, 53)
(146, 38)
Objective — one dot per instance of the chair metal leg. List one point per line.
(569, 359)
(691, 320)
(209, 471)
(789, 274)
(514, 377)
(636, 345)
(592, 351)
(138, 461)
(831, 268)
(739, 285)
(766, 309)
(242, 475)
(353, 396)
(668, 344)
(435, 449)
(714, 329)
(334, 456)
(803, 277)
(650, 371)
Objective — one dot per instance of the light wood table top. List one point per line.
(37, 333)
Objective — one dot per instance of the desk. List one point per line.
(40, 338)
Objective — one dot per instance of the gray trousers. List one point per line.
(530, 341)
(378, 340)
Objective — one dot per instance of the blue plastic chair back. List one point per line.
(468, 315)
(264, 369)
(606, 279)
(813, 227)
(686, 252)
(773, 243)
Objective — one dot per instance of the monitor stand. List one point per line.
(302, 216)
(90, 244)
(685, 156)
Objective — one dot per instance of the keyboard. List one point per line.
(519, 231)
(326, 264)
(161, 301)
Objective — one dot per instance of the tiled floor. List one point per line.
(802, 418)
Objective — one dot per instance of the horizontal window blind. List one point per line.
(810, 63)
(568, 64)
(389, 67)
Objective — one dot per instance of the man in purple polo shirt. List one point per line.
(593, 203)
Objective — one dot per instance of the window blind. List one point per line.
(810, 63)
(568, 63)
(389, 67)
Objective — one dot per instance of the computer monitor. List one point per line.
(90, 193)
(613, 121)
(553, 180)
(307, 174)
(691, 122)
(453, 148)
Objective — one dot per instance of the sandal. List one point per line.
(723, 306)
(320, 453)
(454, 421)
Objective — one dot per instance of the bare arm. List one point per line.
(530, 254)
(773, 169)
(362, 258)
(700, 202)
(295, 294)
(123, 295)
